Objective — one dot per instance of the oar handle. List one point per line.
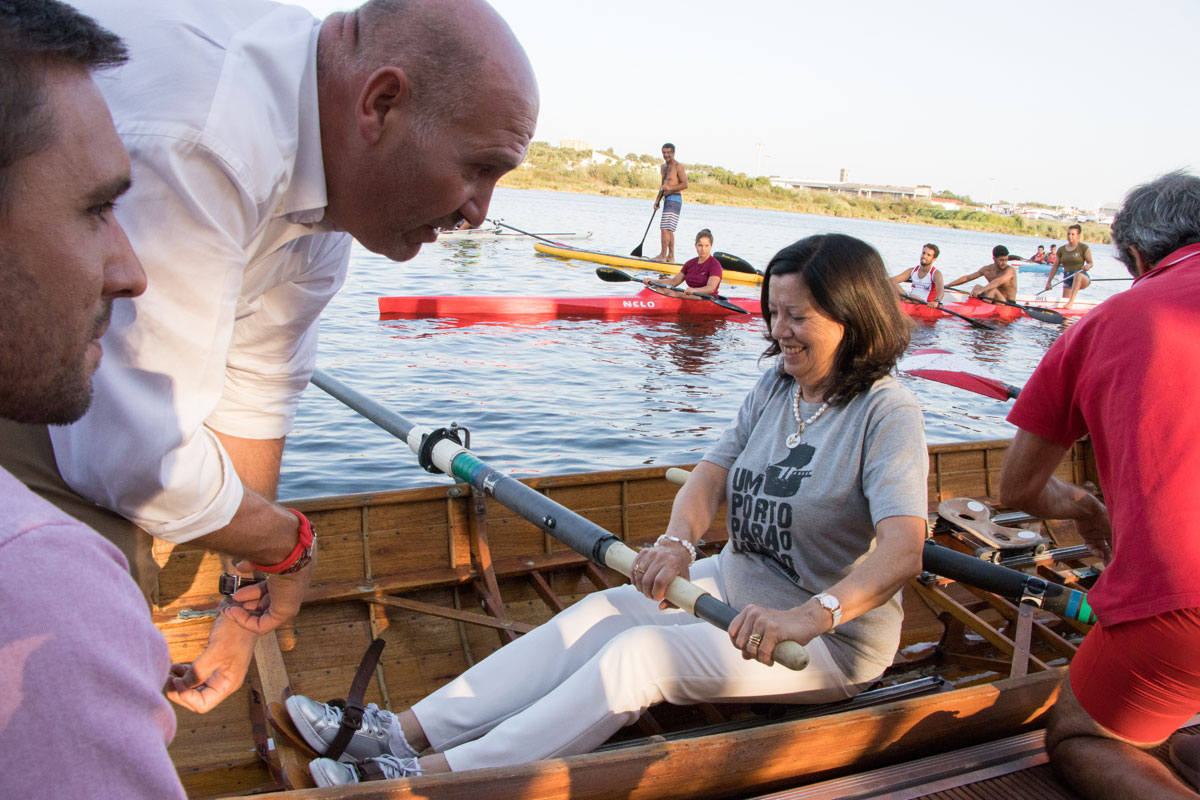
(691, 598)
(677, 475)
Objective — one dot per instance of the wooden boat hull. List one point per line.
(633, 262)
(447, 575)
(646, 303)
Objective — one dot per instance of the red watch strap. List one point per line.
(303, 546)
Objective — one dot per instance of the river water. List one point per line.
(574, 395)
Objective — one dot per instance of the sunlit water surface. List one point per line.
(572, 395)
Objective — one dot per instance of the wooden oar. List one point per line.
(637, 251)
(440, 451)
(1010, 583)
(974, 322)
(939, 365)
(612, 275)
(1040, 314)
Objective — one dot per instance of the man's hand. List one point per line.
(263, 607)
(217, 672)
(1096, 532)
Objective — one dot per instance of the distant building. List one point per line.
(1107, 212)
(574, 144)
(947, 203)
(867, 190)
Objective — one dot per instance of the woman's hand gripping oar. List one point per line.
(612, 275)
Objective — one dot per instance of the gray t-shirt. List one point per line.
(801, 519)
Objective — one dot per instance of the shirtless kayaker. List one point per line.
(674, 181)
(1001, 278)
(926, 279)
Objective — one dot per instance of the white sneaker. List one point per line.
(319, 723)
(327, 772)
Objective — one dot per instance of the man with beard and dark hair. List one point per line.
(76, 644)
(1126, 376)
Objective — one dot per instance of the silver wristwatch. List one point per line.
(832, 605)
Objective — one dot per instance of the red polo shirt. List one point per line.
(1129, 374)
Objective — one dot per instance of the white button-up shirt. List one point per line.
(218, 108)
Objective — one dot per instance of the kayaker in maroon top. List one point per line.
(702, 273)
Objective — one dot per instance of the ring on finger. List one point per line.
(755, 640)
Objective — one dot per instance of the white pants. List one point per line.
(568, 685)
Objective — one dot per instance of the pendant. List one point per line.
(793, 440)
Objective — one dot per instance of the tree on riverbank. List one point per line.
(582, 171)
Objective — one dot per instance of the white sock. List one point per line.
(396, 741)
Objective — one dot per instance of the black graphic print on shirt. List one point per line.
(758, 523)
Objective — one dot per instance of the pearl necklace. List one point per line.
(794, 439)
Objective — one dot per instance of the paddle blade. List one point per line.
(637, 251)
(1044, 315)
(613, 275)
(954, 370)
(735, 263)
(723, 303)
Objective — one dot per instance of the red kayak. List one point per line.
(648, 303)
(977, 309)
(645, 303)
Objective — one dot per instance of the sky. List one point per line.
(1064, 103)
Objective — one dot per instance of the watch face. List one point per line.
(828, 601)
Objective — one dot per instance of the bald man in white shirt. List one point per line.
(262, 140)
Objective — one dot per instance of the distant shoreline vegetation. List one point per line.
(603, 172)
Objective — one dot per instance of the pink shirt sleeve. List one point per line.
(82, 666)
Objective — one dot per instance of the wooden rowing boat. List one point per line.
(447, 575)
(635, 262)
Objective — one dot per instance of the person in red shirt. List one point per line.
(1126, 376)
(702, 273)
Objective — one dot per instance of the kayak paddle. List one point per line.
(637, 251)
(442, 450)
(526, 233)
(908, 298)
(612, 275)
(735, 263)
(943, 366)
(1040, 314)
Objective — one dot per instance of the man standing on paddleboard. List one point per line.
(674, 181)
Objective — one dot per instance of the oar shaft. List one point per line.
(1010, 583)
(578, 533)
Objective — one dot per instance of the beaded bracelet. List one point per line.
(691, 548)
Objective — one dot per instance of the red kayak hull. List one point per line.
(645, 303)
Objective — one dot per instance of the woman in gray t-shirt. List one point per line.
(824, 473)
